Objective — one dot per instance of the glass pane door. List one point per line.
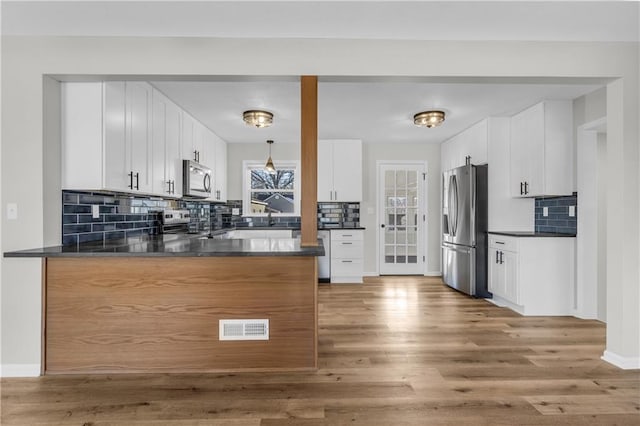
(401, 219)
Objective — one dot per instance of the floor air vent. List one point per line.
(245, 329)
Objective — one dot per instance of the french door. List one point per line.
(401, 217)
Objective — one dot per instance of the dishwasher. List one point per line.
(324, 262)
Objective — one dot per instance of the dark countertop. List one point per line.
(176, 245)
(341, 228)
(531, 234)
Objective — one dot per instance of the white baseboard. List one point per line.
(624, 362)
(20, 370)
(433, 274)
(370, 274)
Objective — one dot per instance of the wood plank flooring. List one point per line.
(393, 351)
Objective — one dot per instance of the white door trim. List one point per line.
(422, 209)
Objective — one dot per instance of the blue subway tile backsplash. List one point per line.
(122, 216)
(558, 219)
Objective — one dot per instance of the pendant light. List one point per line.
(269, 166)
(428, 118)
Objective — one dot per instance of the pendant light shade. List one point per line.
(428, 118)
(269, 166)
(257, 118)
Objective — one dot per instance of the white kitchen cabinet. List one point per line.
(193, 135)
(340, 170)
(347, 255)
(542, 150)
(220, 181)
(107, 142)
(506, 213)
(532, 275)
(167, 152)
(471, 143)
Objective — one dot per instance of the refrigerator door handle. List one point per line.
(453, 205)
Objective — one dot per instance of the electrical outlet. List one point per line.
(95, 211)
(12, 211)
(572, 211)
(235, 211)
(545, 211)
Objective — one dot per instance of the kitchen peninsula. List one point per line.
(154, 303)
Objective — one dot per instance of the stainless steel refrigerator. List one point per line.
(464, 225)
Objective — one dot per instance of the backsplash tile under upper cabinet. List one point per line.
(558, 219)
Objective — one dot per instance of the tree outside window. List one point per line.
(274, 193)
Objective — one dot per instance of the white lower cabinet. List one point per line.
(347, 253)
(532, 275)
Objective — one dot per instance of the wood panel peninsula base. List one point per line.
(161, 314)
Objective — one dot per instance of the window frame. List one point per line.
(248, 166)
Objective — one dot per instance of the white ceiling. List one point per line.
(372, 110)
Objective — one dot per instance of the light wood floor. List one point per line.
(394, 351)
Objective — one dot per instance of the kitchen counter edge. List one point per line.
(178, 247)
(521, 234)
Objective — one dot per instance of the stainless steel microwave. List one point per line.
(196, 179)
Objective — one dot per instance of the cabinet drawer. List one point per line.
(346, 267)
(346, 249)
(502, 242)
(346, 235)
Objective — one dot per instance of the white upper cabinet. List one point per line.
(471, 143)
(190, 143)
(107, 141)
(340, 170)
(505, 212)
(129, 137)
(542, 150)
(220, 187)
(167, 149)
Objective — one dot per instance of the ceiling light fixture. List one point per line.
(269, 166)
(428, 118)
(257, 118)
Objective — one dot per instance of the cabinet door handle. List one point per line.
(521, 188)
(347, 261)
(497, 257)
(131, 180)
(346, 244)
(173, 186)
(169, 183)
(138, 181)
(501, 259)
(499, 242)
(526, 188)
(336, 195)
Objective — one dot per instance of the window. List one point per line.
(276, 193)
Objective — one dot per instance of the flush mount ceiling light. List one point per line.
(257, 118)
(269, 166)
(428, 118)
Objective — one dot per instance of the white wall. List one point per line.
(26, 59)
(602, 226)
(238, 152)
